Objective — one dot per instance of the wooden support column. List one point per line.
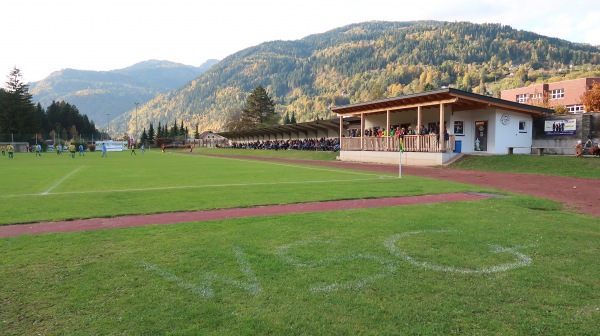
(387, 131)
(418, 129)
(341, 130)
(441, 128)
(362, 131)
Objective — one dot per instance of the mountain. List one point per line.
(366, 61)
(98, 93)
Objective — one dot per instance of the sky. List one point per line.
(42, 36)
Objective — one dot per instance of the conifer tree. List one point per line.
(18, 112)
(151, 135)
(259, 110)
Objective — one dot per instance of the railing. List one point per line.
(412, 143)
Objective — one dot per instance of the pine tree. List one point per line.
(293, 119)
(18, 113)
(196, 134)
(287, 121)
(151, 135)
(259, 110)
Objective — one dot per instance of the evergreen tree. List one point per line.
(159, 133)
(182, 130)
(287, 121)
(293, 119)
(196, 134)
(18, 113)
(144, 137)
(174, 131)
(259, 110)
(151, 135)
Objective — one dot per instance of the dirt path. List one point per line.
(580, 194)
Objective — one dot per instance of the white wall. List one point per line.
(500, 136)
(509, 134)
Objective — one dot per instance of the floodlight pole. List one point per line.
(136, 124)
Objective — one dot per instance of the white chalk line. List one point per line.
(227, 185)
(205, 288)
(388, 265)
(61, 181)
(522, 260)
(340, 170)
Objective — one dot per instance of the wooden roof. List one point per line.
(458, 99)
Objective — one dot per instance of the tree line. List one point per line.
(23, 121)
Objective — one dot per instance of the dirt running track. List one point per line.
(580, 194)
(585, 197)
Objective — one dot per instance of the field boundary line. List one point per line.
(46, 193)
(301, 166)
(61, 181)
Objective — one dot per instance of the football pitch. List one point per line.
(507, 265)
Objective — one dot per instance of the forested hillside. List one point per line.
(368, 61)
(98, 93)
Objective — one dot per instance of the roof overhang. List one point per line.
(458, 99)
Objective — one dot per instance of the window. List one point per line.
(575, 109)
(523, 98)
(522, 126)
(536, 96)
(557, 94)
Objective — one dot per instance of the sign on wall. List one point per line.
(560, 127)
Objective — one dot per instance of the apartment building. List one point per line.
(567, 93)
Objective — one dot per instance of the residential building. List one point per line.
(566, 93)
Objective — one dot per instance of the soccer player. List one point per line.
(10, 149)
(81, 150)
(38, 150)
(72, 150)
(3, 151)
(132, 149)
(103, 149)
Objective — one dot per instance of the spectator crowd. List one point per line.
(322, 144)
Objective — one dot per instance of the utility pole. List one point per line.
(136, 124)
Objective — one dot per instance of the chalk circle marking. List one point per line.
(522, 260)
(389, 266)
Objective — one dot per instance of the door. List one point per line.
(481, 130)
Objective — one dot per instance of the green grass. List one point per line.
(558, 165)
(55, 187)
(516, 265)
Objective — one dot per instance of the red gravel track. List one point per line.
(579, 194)
(182, 217)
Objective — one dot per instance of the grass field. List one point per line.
(510, 265)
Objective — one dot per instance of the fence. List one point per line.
(411, 143)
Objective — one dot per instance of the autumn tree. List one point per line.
(591, 99)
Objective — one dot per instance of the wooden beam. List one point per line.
(402, 107)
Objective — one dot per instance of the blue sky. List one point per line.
(42, 36)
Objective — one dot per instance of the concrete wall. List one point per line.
(588, 127)
(408, 158)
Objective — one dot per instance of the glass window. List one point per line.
(522, 98)
(557, 94)
(522, 126)
(575, 109)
